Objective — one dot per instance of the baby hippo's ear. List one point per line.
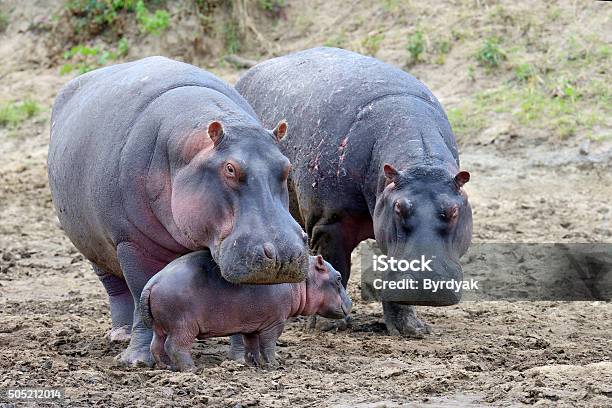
(320, 264)
(280, 130)
(215, 132)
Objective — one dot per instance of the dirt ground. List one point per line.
(524, 188)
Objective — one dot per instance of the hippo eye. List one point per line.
(230, 170)
(450, 213)
(402, 208)
(339, 280)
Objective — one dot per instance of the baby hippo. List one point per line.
(189, 299)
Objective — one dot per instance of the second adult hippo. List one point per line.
(153, 159)
(373, 156)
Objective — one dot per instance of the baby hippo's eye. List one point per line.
(339, 280)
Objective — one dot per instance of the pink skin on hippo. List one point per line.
(189, 299)
(153, 159)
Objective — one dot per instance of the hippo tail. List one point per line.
(144, 307)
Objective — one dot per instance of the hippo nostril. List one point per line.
(269, 250)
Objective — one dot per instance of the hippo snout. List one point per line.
(244, 261)
(440, 287)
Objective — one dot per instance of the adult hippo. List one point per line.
(153, 159)
(373, 156)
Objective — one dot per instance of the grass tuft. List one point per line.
(12, 114)
(490, 54)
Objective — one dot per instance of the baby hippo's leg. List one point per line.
(251, 349)
(157, 349)
(178, 348)
(236, 351)
(267, 344)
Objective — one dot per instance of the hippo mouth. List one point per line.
(237, 269)
(346, 305)
(346, 310)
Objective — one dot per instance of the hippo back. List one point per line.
(331, 87)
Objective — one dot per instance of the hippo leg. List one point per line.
(158, 350)
(267, 344)
(137, 267)
(251, 349)
(178, 348)
(401, 320)
(121, 305)
(327, 240)
(236, 351)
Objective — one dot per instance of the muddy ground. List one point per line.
(524, 188)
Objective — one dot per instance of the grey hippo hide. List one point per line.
(154, 159)
(373, 156)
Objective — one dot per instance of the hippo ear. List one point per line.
(320, 264)
(461, 178)
(215, 132)
(391, 173)
(280, 130)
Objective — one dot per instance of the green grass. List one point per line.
(95, 16)
(564, 90)
(490, 54)
(557, 107)
(441, 49)
(231, 37)
(4, 22)
(371, 43)
(12, 114)
(525, 72)
(151, 23)
(273, 8)
(464, 122)
(82, 58)
(98, 12)
(390, 5)
(338, 41)
(416, 46)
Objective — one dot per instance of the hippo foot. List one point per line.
(239, 358)
(162, 366)
(252, 359)
(270, 363)
(401, 320)
(236, 351)
(119, 334)
(136, 357)
(322, 324)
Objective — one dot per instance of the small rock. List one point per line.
(584, 147)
